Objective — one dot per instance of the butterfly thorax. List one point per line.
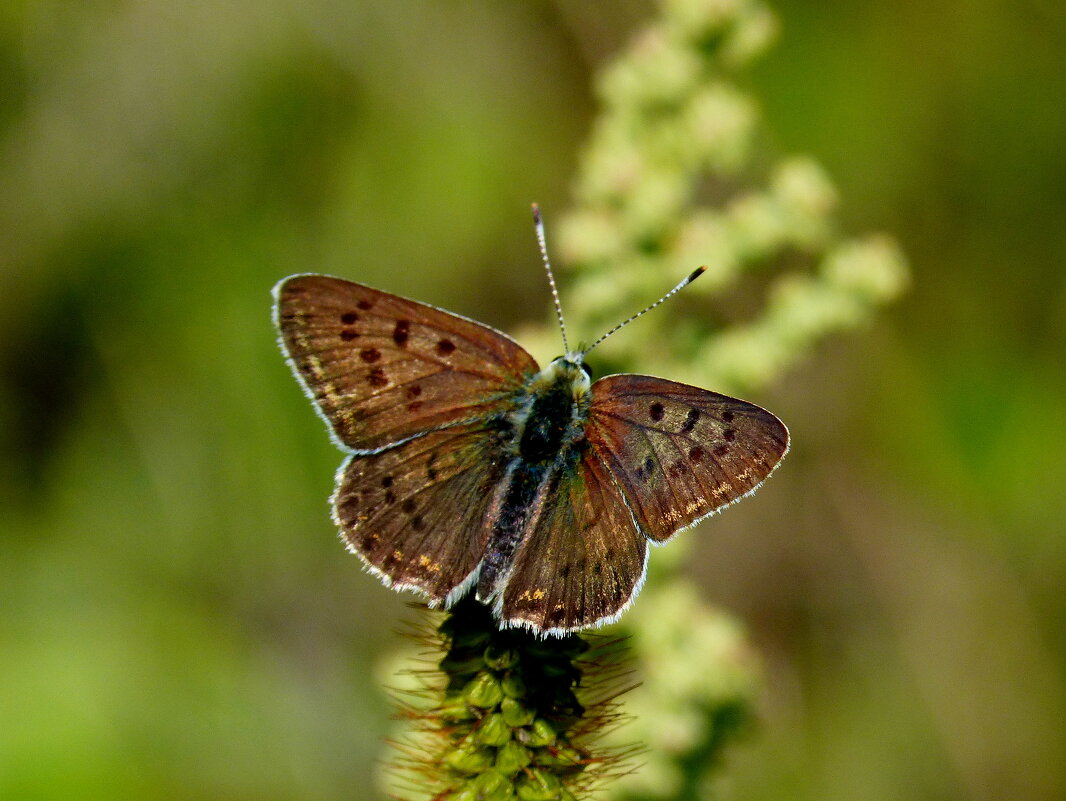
(553, 410)
(549, 433)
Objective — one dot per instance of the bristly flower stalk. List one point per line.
(498, 715)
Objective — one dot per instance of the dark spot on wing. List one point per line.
(408, 506)
(696, 454)
(445, 346)
(369, 355)
(349, 334)
(414, 391)
(729, 435)
(597, 568)
(377, 378)
(401, 332)
(431, 472)
(417, 523)
(414, 406)
(690, 421)
(727, 417)
(390, 497)
(564, 571)
(721, 450)
(349, 317)
(645, 470)
(367, 541)
(386, 482)
(656, 411)
(365, 305)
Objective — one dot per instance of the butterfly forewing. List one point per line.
(583, 560)
(382, 368)
(680, 453)
(414, 512)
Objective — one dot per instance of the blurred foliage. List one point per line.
(178, 620)
(677, 175)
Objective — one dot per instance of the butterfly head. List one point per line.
(569, 371)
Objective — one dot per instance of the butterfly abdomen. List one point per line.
(547, 428)
(522, 488)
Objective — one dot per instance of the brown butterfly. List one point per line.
(473, 469)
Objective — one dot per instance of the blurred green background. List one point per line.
(177, 618)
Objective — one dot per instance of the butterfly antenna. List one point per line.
(548, 269)
(688, 280)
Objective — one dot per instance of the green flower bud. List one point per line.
(500, 659)
(493, 786)
(454, 708)
(538, 785)
(540, 734)
(563, 757)
(511, 758)
(483, 691)
(460, 665)
(515, 713)
(513, 686)
(466, 793)
(466, 757)
(493, 731)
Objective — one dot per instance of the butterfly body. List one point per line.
(472, 469)
(547, 434)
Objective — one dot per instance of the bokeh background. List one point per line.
(177, 619)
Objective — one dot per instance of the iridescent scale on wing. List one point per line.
(470, 469)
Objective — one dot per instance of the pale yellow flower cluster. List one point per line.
(675, 176)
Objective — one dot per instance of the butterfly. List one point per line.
(472, 469)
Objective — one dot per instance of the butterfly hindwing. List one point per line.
(381, 368)
(679, 452)
(583, 559)
(415, 512)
